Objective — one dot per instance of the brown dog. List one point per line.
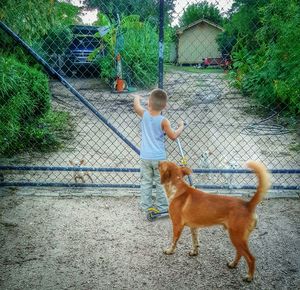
(195, 208)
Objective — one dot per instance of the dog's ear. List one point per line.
(71, 162)
(185, 171)
(164, 172)
(82, 162)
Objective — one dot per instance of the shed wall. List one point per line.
(197, 43)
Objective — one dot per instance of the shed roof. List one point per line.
(182, 29)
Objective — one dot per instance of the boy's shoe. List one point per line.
(153, 213)
(153, 209)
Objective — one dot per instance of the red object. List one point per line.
(118, 57)
(216, 61)
(119, 85)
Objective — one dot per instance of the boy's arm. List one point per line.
(138, 108)
(172, 134)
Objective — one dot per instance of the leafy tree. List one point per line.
(147, 9)
(30, 19)
(33, 20)
(265, 53)
(241, 25)
(60, 35)
(202, 10)
(102, 20)
(66, 14)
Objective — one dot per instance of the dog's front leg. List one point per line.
(75, 176)
(177, 229)
(79, 176)
(89, 176)
(195, 249)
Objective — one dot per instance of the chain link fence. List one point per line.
(66, 107)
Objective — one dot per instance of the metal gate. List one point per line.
(93, 71)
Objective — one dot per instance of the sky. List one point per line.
(89, 16)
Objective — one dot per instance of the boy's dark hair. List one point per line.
(158, 99)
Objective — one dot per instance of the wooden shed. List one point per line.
(197, 41)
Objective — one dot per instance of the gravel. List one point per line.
(98, 242)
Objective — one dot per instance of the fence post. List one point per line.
(161, 45)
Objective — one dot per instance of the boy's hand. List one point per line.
(172, 134)
(135, 96)
(180, 124)
(138, 108)
(180, 127)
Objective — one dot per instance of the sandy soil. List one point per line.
(106, 243)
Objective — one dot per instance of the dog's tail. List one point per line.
(264, 182)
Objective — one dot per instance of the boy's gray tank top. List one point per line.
(153, 138)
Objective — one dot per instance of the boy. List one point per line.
(154, 126)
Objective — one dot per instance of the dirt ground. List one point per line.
(218, 125)
(107, 243)
(93, 242)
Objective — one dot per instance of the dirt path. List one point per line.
(106, 243)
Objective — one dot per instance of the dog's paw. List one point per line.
(193, 253)
(231, 265)
(248, 279)
(168, 251)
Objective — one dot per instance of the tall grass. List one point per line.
(26, 119)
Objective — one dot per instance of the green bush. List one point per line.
(57, 40)
(33, 21)
(266, 61)
(26, 120)
(140, 54)
(137, 44)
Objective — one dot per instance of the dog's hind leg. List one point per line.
(250, 261)
(242, 249)
(195, 249)
(177, 229)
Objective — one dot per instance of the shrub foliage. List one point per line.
(262, 39)
(136, 41)
(26, 120)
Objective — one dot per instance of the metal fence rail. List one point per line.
(136, 170)
(94, 69)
